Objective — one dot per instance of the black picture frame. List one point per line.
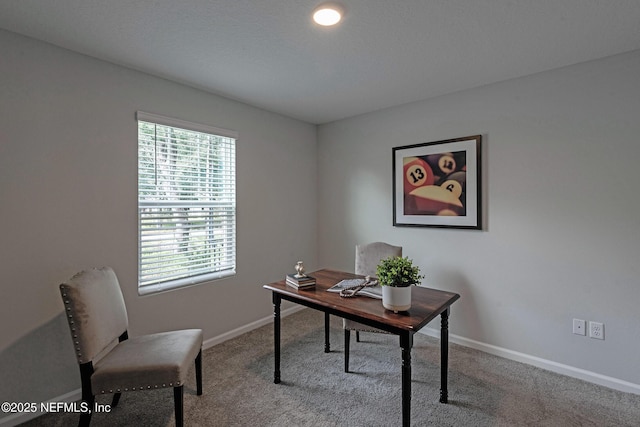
(438, 184)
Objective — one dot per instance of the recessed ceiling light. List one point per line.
(327, 14)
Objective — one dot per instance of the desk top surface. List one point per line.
(426, 303)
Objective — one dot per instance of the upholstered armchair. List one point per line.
(368, 257)
(111, 362)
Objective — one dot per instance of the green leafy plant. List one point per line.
(398, 272)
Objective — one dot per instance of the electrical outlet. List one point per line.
(596, 330)
(579, 327)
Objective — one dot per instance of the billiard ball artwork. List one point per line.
(435, 184)
(438, 184)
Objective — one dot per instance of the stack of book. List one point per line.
(300, 282)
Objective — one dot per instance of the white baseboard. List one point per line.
(249, 327)
(559, 368)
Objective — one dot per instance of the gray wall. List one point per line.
(68, 200)
(562, 229)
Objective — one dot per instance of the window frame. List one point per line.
(190, 280)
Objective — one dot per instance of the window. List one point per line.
(186, 203)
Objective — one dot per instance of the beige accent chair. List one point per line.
(368, 256)
(109, 361)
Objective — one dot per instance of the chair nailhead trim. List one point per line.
(71, 323)
(141, 388)
(149, 387)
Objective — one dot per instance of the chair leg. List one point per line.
(199, 373)
(178, 397)
(116, 397)
(86, 370)
(85, 419)
(357, 336)
(115, 400)
(347, 339)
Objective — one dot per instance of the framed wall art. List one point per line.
(437, 184)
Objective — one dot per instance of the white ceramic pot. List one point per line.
(396, 298)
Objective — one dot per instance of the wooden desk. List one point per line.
(426, 304)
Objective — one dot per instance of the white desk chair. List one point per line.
(368, 257)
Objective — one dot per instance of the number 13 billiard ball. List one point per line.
(417, 173)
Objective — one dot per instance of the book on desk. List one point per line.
(300, 282)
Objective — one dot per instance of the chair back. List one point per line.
(369, 255)
(95, 310)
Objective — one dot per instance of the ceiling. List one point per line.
(269, 54)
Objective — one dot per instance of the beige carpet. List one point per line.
(484, 390)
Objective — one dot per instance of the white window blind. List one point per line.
(186, 203)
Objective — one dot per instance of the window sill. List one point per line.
(183, 283)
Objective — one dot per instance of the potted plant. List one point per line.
(396, 275)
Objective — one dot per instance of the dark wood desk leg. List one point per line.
(327, 345)
(406, 342)
(347, 344)
(276, 336)
(444, 355)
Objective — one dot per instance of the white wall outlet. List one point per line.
(596, 330)
(579, 327)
